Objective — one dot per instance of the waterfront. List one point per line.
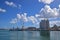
(29, 35)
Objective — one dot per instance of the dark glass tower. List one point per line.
(44, 24)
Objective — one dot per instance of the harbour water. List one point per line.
(29, 35)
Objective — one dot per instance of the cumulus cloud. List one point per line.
(59, 5)
(37, 15)
(48, 12)
(24, 17)
(57, 22)
(2, 10)
(18, 16)
(53, 14)
(12, 4)
(13, 21)
(32, 19)
(46, 1)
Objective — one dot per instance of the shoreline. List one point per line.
(27, 30)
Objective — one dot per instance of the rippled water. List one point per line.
(29, 35)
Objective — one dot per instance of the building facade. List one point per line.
(44, 24)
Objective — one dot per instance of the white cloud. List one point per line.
(52, 18)
(18, 16)
(2, 10)
(12, 4)
(48, 12)
(46, 1)
(57, 22)
(59, 5)
(41, 19)
(24, 17)
(13, 21)
(53, 14)
(37, 15)
(32, 19)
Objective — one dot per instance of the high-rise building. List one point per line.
(44, 24)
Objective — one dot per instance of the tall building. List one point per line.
(44, 24)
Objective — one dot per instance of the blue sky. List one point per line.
(31, 12)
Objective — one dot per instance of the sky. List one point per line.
(14, 13)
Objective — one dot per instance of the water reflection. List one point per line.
(55, 35)
(30, 35)
(13, 35)
(45, 35)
